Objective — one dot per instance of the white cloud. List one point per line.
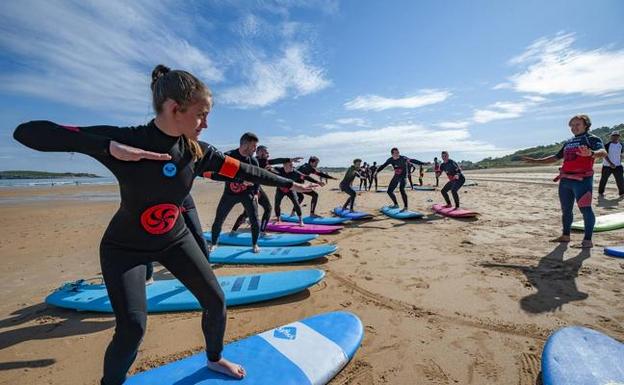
(553, 66)
(500, 110)
(271, 80)
(454, 124)
(337, 148)
(380, 103)
(352, 122)
(95, 54)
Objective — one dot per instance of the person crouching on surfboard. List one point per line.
(345, 184)
(288, 171)
(576, 176)
(455, 177)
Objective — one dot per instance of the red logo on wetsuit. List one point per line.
(574, 163)
(285, 190)
(398, 171)
(160, 219)
(237, 188)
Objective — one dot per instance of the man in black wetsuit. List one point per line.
(455, 177)
(372, 175)
(288, 171)
(239, 191)
(266, 162)
(400, 164)
(308, 169)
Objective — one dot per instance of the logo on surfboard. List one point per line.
(286, 333)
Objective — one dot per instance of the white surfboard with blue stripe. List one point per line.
(310, 351)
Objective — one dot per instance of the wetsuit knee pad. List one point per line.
(585, 200)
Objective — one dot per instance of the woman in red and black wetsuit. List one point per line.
(576, 176)
(148, 226)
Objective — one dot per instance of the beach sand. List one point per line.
(443, 301)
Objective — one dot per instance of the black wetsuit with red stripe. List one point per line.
(148, 226)
(401, 168)
(281, 192)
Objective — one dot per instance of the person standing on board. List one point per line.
(455, 179)
(345, 184)
(576, 176)
(154, 181)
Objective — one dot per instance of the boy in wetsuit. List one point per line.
(372, 176)
(456, 179)
(239, 191)
(421, 174)
(345, 184)
(401, 165)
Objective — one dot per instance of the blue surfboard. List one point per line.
(172, 295)
(268, 255)
(353, 215)
(615, 251)
(276, 240)
(581, 356)
(398, 214)
(310, 351)
(331, 221)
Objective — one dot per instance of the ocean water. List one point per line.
(56, 182)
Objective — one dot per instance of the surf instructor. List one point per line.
(576, 176)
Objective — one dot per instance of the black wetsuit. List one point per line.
(148, 226)
(307, 169)
(401, 168)
(236, 191)
(451, 168)
(372, 176)
(263, 198)
(410, 170)
(280, 193)
(364, 178)
(345, 186)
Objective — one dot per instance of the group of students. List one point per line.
(251, 195)
(156, 164)
(401, 166)
(368, 174)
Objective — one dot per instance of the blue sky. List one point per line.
(334, 79)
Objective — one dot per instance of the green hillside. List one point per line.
(513, 160)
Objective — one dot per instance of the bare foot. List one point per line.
(562, 238)
(149, 281)
(256, 249)
(212, 248)
(301, 223)
(228, 368)
(404, 209)
(447, 206)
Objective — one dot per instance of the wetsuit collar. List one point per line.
(164, 134)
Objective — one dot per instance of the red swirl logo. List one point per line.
(160, 219)
(237, 187)
(285, 190)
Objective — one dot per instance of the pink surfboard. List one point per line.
(288, 227)
(453, 212)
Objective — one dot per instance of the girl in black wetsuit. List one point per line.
(148, 226)
(401, 165)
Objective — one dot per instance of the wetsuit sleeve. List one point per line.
(595, 143)
(384, 165)
(306, 177)
(43, 135)
(417, 162)
(323, 175)
(278, 161)
(214, 161)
